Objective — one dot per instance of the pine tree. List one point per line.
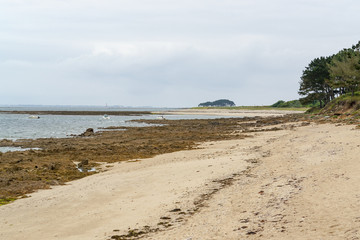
(345, 71)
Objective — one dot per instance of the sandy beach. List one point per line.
(300, 182)
(179, 120)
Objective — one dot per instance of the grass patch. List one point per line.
(345, 104)
(349, 97)
(313, 110)
(4, 201)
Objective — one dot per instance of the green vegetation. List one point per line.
(349, 97)
(294, 104)
(257, 108)
(313, 84)
(326, 78)
(322, 81)
(218, 103)
(348, 104)
(4, 201)
(345, 70)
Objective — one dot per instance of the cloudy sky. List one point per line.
(165, 53)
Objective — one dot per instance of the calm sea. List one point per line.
(20, 126)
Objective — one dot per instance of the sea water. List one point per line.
(20, 126)
(16, 126)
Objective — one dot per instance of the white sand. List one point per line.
(306, 187)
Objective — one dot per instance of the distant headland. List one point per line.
(218, 103)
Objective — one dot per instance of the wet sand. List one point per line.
(287, 181)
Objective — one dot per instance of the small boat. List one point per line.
(34, 117)
(106, 116)
(161, 118)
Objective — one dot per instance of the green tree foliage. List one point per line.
(218, 103)
(345, 71)
(314, 82)
(288, 104)
(327, 77)
(279, 103)
(294, 104)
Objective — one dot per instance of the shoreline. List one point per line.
(229, 112)
(285, 180)
(186, 111)
(53, 164)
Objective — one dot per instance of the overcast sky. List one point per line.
(165, 53)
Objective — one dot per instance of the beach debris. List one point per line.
(89, 132)
(84, 166)
(133, 233)
(245, 220)
(175, 210)
(83, 163)
(54, 166)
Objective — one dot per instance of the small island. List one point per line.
(218, 103)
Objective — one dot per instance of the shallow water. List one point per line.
(20, 126)
(15, 149)
(15, 126)
(89, 170)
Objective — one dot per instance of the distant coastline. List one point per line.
(117, 113)
(230, 112)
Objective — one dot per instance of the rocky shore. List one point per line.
(26, 171)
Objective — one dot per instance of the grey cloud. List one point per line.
(163, 51)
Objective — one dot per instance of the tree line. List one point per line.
(218, 103)
(326, 78)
